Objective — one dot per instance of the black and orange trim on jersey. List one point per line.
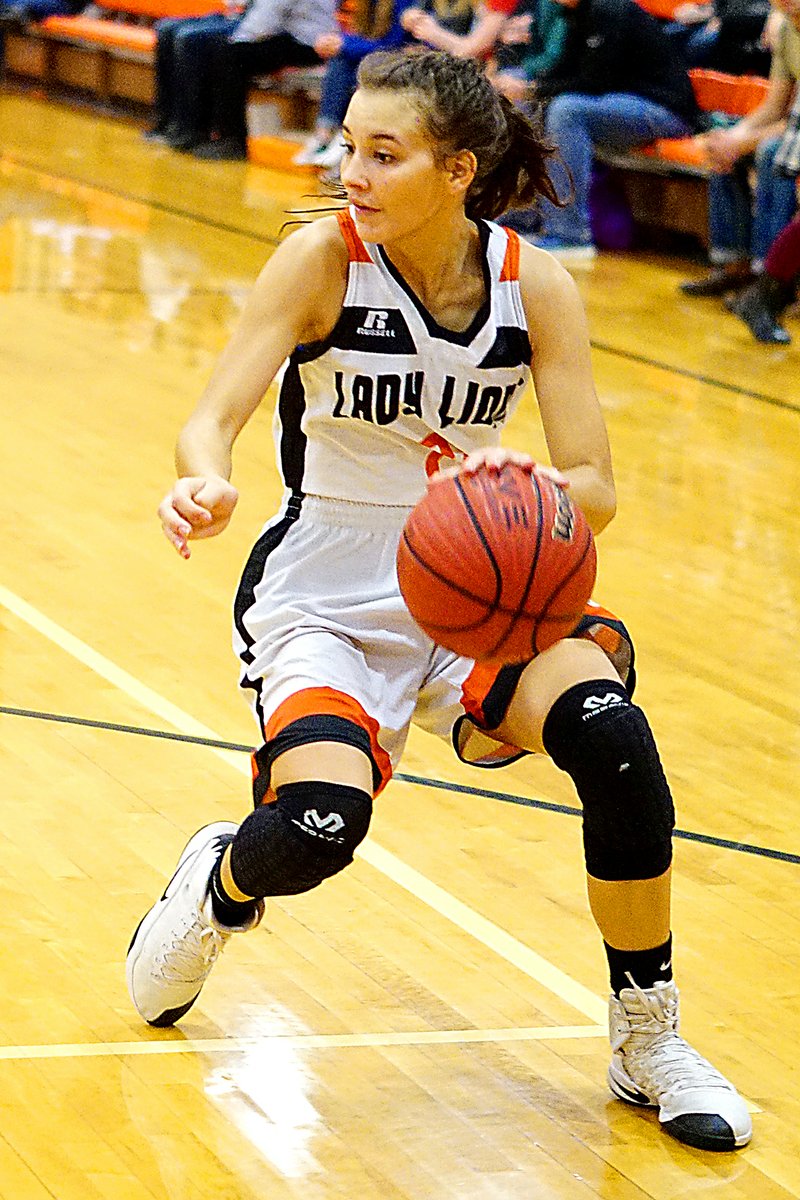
(356, 250)
(489, 688)
(318, 714)
(510, 270)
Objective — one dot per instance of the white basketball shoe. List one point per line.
(178, 941)
(652, 1066)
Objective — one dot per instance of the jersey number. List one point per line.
(441, 449)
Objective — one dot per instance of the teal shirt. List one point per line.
(548, 36)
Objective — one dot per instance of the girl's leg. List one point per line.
(783, 260)
(313, 803)
(345, 767)
(571, 704)
(632, 913)
(166, 30)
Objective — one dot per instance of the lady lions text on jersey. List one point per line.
(365, 414)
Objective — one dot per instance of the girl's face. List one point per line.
(393, 180)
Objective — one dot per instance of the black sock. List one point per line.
(645, 966)
(226, 910)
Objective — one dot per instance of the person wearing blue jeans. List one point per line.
(617, 85)
(373, 26)
(743, 221)
(579, 124)
(184, 48)
(12, 11)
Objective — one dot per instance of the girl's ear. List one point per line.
(461, 169)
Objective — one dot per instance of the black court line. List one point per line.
(146, 202)
(734, 388)
(443, 785)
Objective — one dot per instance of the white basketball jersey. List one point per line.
(390, 394)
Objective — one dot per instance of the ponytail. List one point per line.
(520, 177)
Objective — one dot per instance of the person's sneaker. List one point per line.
(158, 134)
(309, 154)
(178, 941)
(572, 252)
(183, 140)
(331, 157)
(654, 1067)
(718, 281)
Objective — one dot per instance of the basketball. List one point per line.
(496, 566)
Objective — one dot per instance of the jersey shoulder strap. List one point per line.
(356, 250)
(510, 268)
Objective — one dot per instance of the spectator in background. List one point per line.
(744, 221)
(478, 42)
(619, 84)
(272, 34)
(376, 25)
(184, 52)
(762, 304)
(530, 45)
(726, 35)
(455, 17)
(20, 12)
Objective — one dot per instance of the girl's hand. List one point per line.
(517, 30)
(511, 86)
(328, 45)
(723, 149)
(199, 506)
(493, 459)
(409, 18)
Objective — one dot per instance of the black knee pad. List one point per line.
(309, 833)
(604, 743)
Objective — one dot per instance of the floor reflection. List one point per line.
(161, 280)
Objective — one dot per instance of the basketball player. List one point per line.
(412, 324)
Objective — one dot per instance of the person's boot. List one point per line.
(719, 281)
(760, 307)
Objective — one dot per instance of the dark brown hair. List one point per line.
(463, 111)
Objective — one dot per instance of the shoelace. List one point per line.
(192, 952)
(662, 1061)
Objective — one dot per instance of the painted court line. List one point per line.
(303, 1041)
(482, 930)
(580, 998)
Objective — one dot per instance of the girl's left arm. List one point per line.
(573, 422)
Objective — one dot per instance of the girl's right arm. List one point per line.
(296, 299)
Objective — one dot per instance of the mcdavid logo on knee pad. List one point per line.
(321, 827)
(598, 704)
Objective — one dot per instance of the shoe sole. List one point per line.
(189, 853)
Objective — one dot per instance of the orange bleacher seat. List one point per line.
(164, 8)
(664, 9)
(100, 32)
(734, 95)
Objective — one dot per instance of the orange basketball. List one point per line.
(496, 566)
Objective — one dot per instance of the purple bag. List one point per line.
(613, 226)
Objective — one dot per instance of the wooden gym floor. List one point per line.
(428, 1026)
